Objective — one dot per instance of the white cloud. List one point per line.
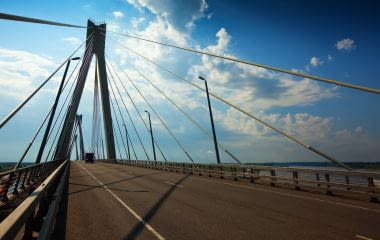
(301, 125)
(113, 26)
(180, 14)
(137, 21)
(329, 57)
(314, 61)
(254, 87)
(346, 44)
(72, 40)
(344, 144)
(256, 90)
(118, 14)
(20, 70)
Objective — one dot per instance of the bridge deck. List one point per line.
(109, 201)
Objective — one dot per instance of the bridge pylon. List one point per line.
(95, 45)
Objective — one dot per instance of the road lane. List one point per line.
(206, 209)
(92, 213)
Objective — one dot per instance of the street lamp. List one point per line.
(212, 122)
(126, 135)
(44, 139)
(76, 147)
(151, 134)
(101, 144)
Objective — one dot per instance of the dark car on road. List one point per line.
(89, 157)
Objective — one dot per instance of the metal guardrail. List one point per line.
(37, 212)
(352, 183)
(14, 182)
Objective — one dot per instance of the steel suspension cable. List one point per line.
(14, 111)
(67, 96)
(183, 112)
(114, 132)
(101, 142)
(32, 140)
(125, 107)
(36, 134)
(117, 121)
(312, 77)
(135, 107)
(162, 121)
(96, 110)
(66, 83)
(138, 135)
(84, 58)
(133, 148)
(42, 124)
(72, 136)
(63, 140)
(245, 112)
(60, 125)
(6, 16)
(99, 137)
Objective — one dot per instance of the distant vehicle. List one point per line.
(89, 157)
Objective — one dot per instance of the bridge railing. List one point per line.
(341, 182)
(36, 213)
(15, 182)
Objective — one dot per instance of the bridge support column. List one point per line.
(96, 35)
(104, 93)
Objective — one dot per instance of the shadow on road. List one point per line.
(90, 187)
(108, 184)
(153, 210)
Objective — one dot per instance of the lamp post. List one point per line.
(126, 135)
(44, 139)
(76, 147)
(151, 134)
(101, 143)
(212, 122)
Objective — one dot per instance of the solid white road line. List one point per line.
(292, 195)
(174, 184)
(147, 225)
(361, 237)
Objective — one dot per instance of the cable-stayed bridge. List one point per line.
(135, 192)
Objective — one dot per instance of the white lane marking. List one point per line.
(361, 237)
(147, 225)
(175, 184)
(292, 195)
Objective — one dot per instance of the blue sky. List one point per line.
(331, 39)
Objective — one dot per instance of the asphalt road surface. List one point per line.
(115, 201)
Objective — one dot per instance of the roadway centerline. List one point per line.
(177, 185)
(147, 225)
